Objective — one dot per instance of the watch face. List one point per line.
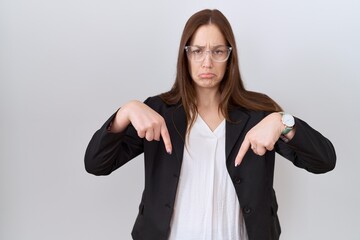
(288, 120)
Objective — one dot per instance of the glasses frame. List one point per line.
(187, 48)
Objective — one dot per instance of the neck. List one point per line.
(208, 108)
(208, 98)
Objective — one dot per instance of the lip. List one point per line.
(207, 75)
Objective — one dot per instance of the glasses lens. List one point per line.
(195, 53)
(220, 54)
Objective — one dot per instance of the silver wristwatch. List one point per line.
(289, 122)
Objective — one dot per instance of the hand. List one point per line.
(262, 137)
(147, 122)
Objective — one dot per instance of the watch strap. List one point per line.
(286, 130)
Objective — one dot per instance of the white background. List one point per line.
(66, 66)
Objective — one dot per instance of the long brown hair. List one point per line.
(232, 90)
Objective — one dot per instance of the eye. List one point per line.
(219, 51)
(196, 51)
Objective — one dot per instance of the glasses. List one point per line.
(218, 54)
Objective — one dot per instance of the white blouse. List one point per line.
(206, 205)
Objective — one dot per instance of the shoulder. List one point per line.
(158, 104)
(255, 115)
(154, 101)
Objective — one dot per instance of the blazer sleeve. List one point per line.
(108, 151)
(308, 149)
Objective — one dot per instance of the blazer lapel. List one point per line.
(176, 123)
(234, 128)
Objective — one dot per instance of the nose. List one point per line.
(207, 62)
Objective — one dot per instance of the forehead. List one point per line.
(208, 35)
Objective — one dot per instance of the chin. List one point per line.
(208, 83)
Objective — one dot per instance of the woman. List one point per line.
(209, 145)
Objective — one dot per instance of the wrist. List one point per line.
(288, 126)
(288, 122)
(120, 121)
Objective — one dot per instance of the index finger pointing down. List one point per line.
(242, 151)
(166, 138)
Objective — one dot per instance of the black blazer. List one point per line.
(253, 179)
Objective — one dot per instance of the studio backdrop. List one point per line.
(66, 66)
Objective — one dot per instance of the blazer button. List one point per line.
(237, 180)
(247, 210)
(167, 206)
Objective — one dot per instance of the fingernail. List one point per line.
(236, 164)
(169, 152)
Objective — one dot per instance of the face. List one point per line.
(207, 74)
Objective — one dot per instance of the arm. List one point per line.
(305, 147)
(308, 149)
(108, 151)
(120, 139)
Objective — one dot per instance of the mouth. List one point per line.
(207, 75)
